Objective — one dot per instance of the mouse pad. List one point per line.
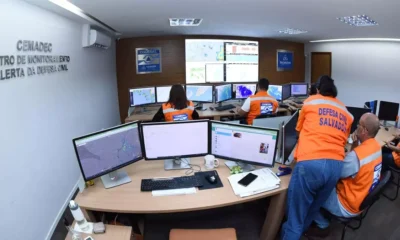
(208, 185)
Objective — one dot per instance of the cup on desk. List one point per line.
(210, 162)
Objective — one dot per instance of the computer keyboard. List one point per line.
(225, 107)
(282, 105)
(170, 183)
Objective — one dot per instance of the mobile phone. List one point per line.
(249, 178)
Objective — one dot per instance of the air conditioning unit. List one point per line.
(94, 38)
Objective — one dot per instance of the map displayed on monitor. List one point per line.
(206, 60)
(103, 152)
(198, 93)
(141, 96)
(244, 90)
(275, 91)
(223, 92)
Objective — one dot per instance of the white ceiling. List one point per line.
(252, 18)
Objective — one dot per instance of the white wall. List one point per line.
(39, 116)
(362, 71)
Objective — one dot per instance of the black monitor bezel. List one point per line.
(115, 168)
(355, 123)
(241, 160)
(233, 83)
(155, 97)
(375, 107)
(202, 84)
(215, 92)
(283, 137)
(300, 95)
(379, 113)
(171, 157)
(290, 91)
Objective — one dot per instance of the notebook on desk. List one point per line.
(266, 181)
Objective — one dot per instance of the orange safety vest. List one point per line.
(324, 125)
(396, 157)
(171, 114)
(261, 103)
(353, 190)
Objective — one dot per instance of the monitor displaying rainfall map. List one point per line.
(142, 96)
(105, 151)
(206, 60)
(199, 93)
(244, 90)
(223, 92)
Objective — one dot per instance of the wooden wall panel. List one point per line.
(173, 63)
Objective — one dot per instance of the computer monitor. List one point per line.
(286, 91)
(299, 89)
(275, 91)
(372, 105)
(242, 143)
(223, 92)
(175, 141)
(289, 137)
(101, 153)
(162, 93)
(388, 111)
(244, 90)
(200, 93)
(142, 96)
(357, 113)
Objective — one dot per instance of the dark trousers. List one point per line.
(387, 159)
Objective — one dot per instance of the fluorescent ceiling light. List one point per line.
(358, 21)
(185, 22)
(292, 31)
(358, 39)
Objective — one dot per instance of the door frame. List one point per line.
(320, 53)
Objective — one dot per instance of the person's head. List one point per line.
(263, 84)
(312, 90)
(326, 86)
(367, 127)
(177, 97)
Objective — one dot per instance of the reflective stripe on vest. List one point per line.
(170, 110)
(261, 98)
(328, 102)
(370, 158)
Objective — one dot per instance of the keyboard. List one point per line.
(225, 107)
(282, 105)
(170, 183)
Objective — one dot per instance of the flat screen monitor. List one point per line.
(286, 91)
(244, 90)
(299, 89)
(200, 93)
(372, 105)
(253, 145)
(357, 113)
(142, 96)
(388, 111)
(162, 93)
(275, 91)
(168, 140)
(289, 136)
(223, 92)
(105, 151)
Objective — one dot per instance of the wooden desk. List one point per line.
(129, 199)
(112, 233)
(384, 135)
(216, 115)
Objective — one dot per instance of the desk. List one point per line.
(112, 233)
(216, 115)
(384, 135)
(129, 199)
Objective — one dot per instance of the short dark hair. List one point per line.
(313, 89)
(326, 86)
(263, 83)
(177, 97)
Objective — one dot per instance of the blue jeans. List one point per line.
(333, 205)
(311, 184)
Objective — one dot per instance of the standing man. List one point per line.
(324, 125)
(361, 173)
(260, 103)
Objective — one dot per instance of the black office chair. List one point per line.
(394, 171)
(365, 206)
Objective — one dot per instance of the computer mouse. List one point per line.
(212, 108)
(387, 129)
(231, 111)
(211, 179)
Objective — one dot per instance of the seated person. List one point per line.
(259, 103)
(178, 108)
(293, 106)
(360, 175)
(391, 154)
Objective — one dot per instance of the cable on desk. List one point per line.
(191, 169)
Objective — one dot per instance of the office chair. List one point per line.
(243, 120)
(394, 171)
(201, 234)
(371, 198)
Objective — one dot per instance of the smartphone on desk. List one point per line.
(249, 178)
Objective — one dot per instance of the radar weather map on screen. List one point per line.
(221, 60)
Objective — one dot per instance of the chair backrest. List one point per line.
(373, 196)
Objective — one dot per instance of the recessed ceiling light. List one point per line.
(185, 22)
(358, 39)
(358, 21)
(292, 31)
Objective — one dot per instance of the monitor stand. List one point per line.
(115, 178)
(386, 124)
(177, 164)
(200, 107)
(245, 166)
